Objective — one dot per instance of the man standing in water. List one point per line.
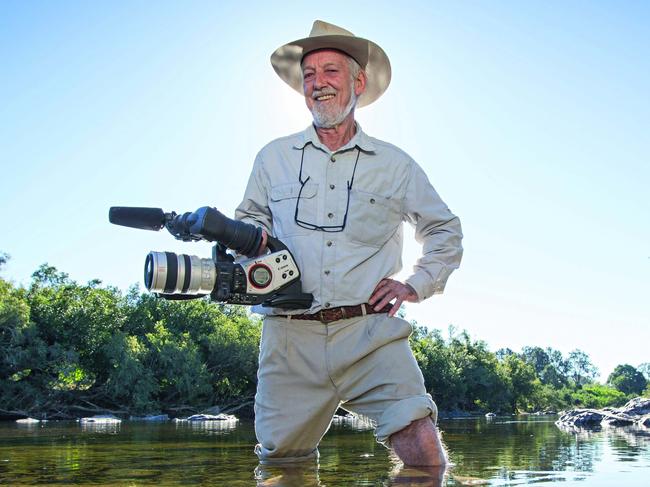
(337, 198)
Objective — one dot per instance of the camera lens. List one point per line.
(170, 273)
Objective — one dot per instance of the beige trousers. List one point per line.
(308, 369)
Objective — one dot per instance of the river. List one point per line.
(499, 452)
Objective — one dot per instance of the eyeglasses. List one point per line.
(323, 228)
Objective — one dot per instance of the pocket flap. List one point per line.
(375, 198)
(292, 190)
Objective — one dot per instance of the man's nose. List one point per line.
(319, 80)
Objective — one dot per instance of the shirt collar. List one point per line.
(360, 140)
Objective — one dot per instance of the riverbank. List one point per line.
(69, 350)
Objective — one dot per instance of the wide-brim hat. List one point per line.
(372, 58)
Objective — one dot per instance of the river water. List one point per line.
(499, 452)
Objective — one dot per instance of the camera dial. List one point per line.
(260, 276)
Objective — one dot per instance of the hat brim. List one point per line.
(372, 58)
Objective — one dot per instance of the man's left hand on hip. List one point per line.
(389, 289)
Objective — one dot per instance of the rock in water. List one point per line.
(632, 413)
(636, 407)
(28, 421)
(585, 418)
(618, 419)
(101, 418)
(212, 417)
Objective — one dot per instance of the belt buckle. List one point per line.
(321, 317)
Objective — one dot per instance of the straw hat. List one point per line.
(372, 58)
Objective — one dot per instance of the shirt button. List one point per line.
(333, 159)
(329, 243)
(330, 215)
(372, 201)
(327, 273)
(332, 186)
(327, 305)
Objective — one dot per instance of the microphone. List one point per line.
(133, 217)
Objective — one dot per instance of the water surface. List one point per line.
(503, 451)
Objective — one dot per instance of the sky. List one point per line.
(531, 119)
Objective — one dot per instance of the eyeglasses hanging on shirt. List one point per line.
(323, 228)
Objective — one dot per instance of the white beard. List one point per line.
(327, 119)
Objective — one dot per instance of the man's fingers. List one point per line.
(262, 249)
(379, 293)
(381, 284)
(395, 307)
(386, 291)
(387, 299)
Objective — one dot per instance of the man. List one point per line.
(337, 198)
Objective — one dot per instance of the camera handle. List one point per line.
(290, 297)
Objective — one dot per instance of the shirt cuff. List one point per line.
(425, 286)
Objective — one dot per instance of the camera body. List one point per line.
(271, 279)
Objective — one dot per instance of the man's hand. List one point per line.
(389, 289)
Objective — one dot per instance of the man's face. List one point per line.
(330, 93)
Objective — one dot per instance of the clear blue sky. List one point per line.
(532, 120)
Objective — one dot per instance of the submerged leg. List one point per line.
(419, 444)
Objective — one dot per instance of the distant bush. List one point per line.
(597, 396)
(67, 348)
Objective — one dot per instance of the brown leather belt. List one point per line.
(341, 313)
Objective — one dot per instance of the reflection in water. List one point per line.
(287, 476)
(497, 453)
(209, 427)
(111, 428)
(353, 421)
(308, 476)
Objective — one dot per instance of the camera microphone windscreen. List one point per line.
(143, 218)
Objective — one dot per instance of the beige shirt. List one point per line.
(343, 268)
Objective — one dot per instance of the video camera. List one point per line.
(272, 279)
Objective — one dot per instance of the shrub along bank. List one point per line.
(68, 349)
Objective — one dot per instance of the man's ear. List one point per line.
(360, 83)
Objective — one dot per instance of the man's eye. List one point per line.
(307, 75)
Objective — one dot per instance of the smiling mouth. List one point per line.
(324, 97)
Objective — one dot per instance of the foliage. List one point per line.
(67, 348)
(597, 396)
(580, 368)
(644, 368)
(627, 379)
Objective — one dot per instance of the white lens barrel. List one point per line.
(169, 273)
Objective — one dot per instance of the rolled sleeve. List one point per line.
(439, 232)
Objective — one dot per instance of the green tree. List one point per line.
(519, 377)
(627, 379)
(441, 377)
(581, 370)
(644, 368)
(477, 368)
(537, 358)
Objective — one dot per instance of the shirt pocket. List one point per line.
(373, 218)
(283, 208)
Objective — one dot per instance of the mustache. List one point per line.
(323, 92)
